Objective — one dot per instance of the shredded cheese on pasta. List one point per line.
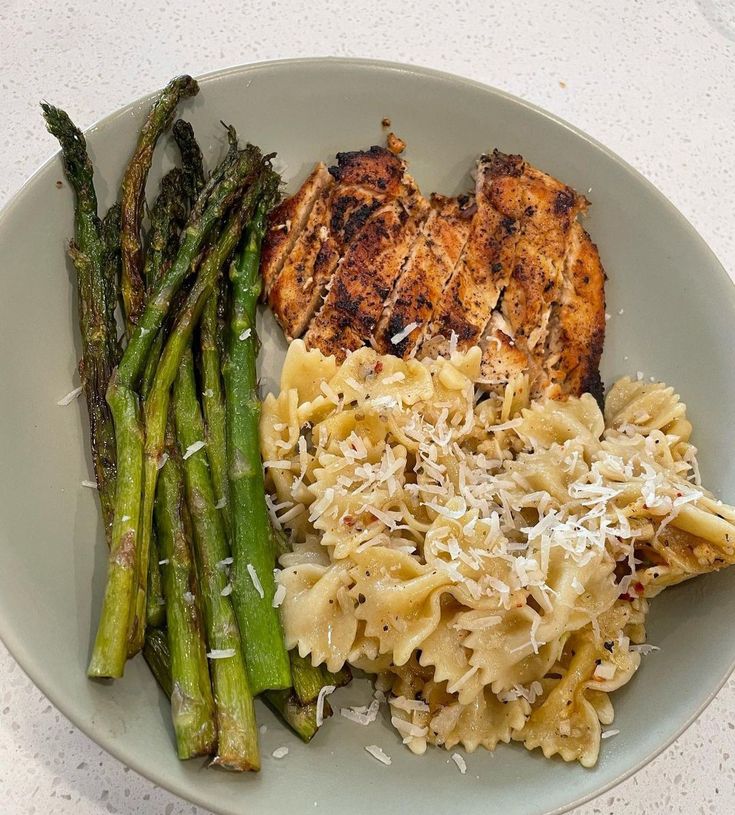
(489, 559)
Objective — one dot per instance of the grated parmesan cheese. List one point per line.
(377, 753)
(279, 595)
(280, 752)
(92, 485)
(323, 693)
(409, 705)
(70, 397)
(193, 448)
(361, 715)
(460, 762)
(255, 580)
(245, 334)
(645, 648)
(607, 734)
(401, 335)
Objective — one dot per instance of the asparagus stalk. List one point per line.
(191, 158)
(156, 403)
(168, 216)
(237, 747)
(156, 653)
(132, 192)
(90, 256)
(308, 680)
(300, 718)
(212, 394)
(110, 234)
(192, 704)
(213, 403)
(119, 607)
(252, 547)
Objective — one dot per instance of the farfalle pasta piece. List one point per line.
(444, 651)
(397, 598)
(675, 555)
(318, 612)
(550, 471)
(646, 407)
(304, 371)
(483, 722)
(551, 422)
(566, 723)
(507, 653)
(362, 378)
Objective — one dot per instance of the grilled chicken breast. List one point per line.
(369, 260)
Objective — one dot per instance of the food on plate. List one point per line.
(177, 458)
(490, 558)
(438, 495)
(507, 267)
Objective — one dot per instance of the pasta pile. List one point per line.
(490, 559)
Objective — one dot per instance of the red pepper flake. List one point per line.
(348, 520)
(378, 367)
(639, 587)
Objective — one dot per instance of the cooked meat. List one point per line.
(508, 268)
(481, 274)
(545, 210)
(363, 182)
(577, 325)
(365, 277)
(438, 248)
(286, 221)
(502, 358)
(296, 293)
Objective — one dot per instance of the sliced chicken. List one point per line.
(365, 277)
(437, 250)
(482, 273)
(363, 182)
(544, 210)
(577, 325)
(286, 221)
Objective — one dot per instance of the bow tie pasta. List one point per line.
(489, 559)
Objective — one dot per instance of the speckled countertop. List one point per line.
(655, 81)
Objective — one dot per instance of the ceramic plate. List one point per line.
(676, 322)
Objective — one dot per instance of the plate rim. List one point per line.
(14, 645)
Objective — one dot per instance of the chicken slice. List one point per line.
(363, 182)
(545, 209)
(482, 273)
(296, 292)
(365, 278)
(437, 250)
(286, 222)
(577, 324)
